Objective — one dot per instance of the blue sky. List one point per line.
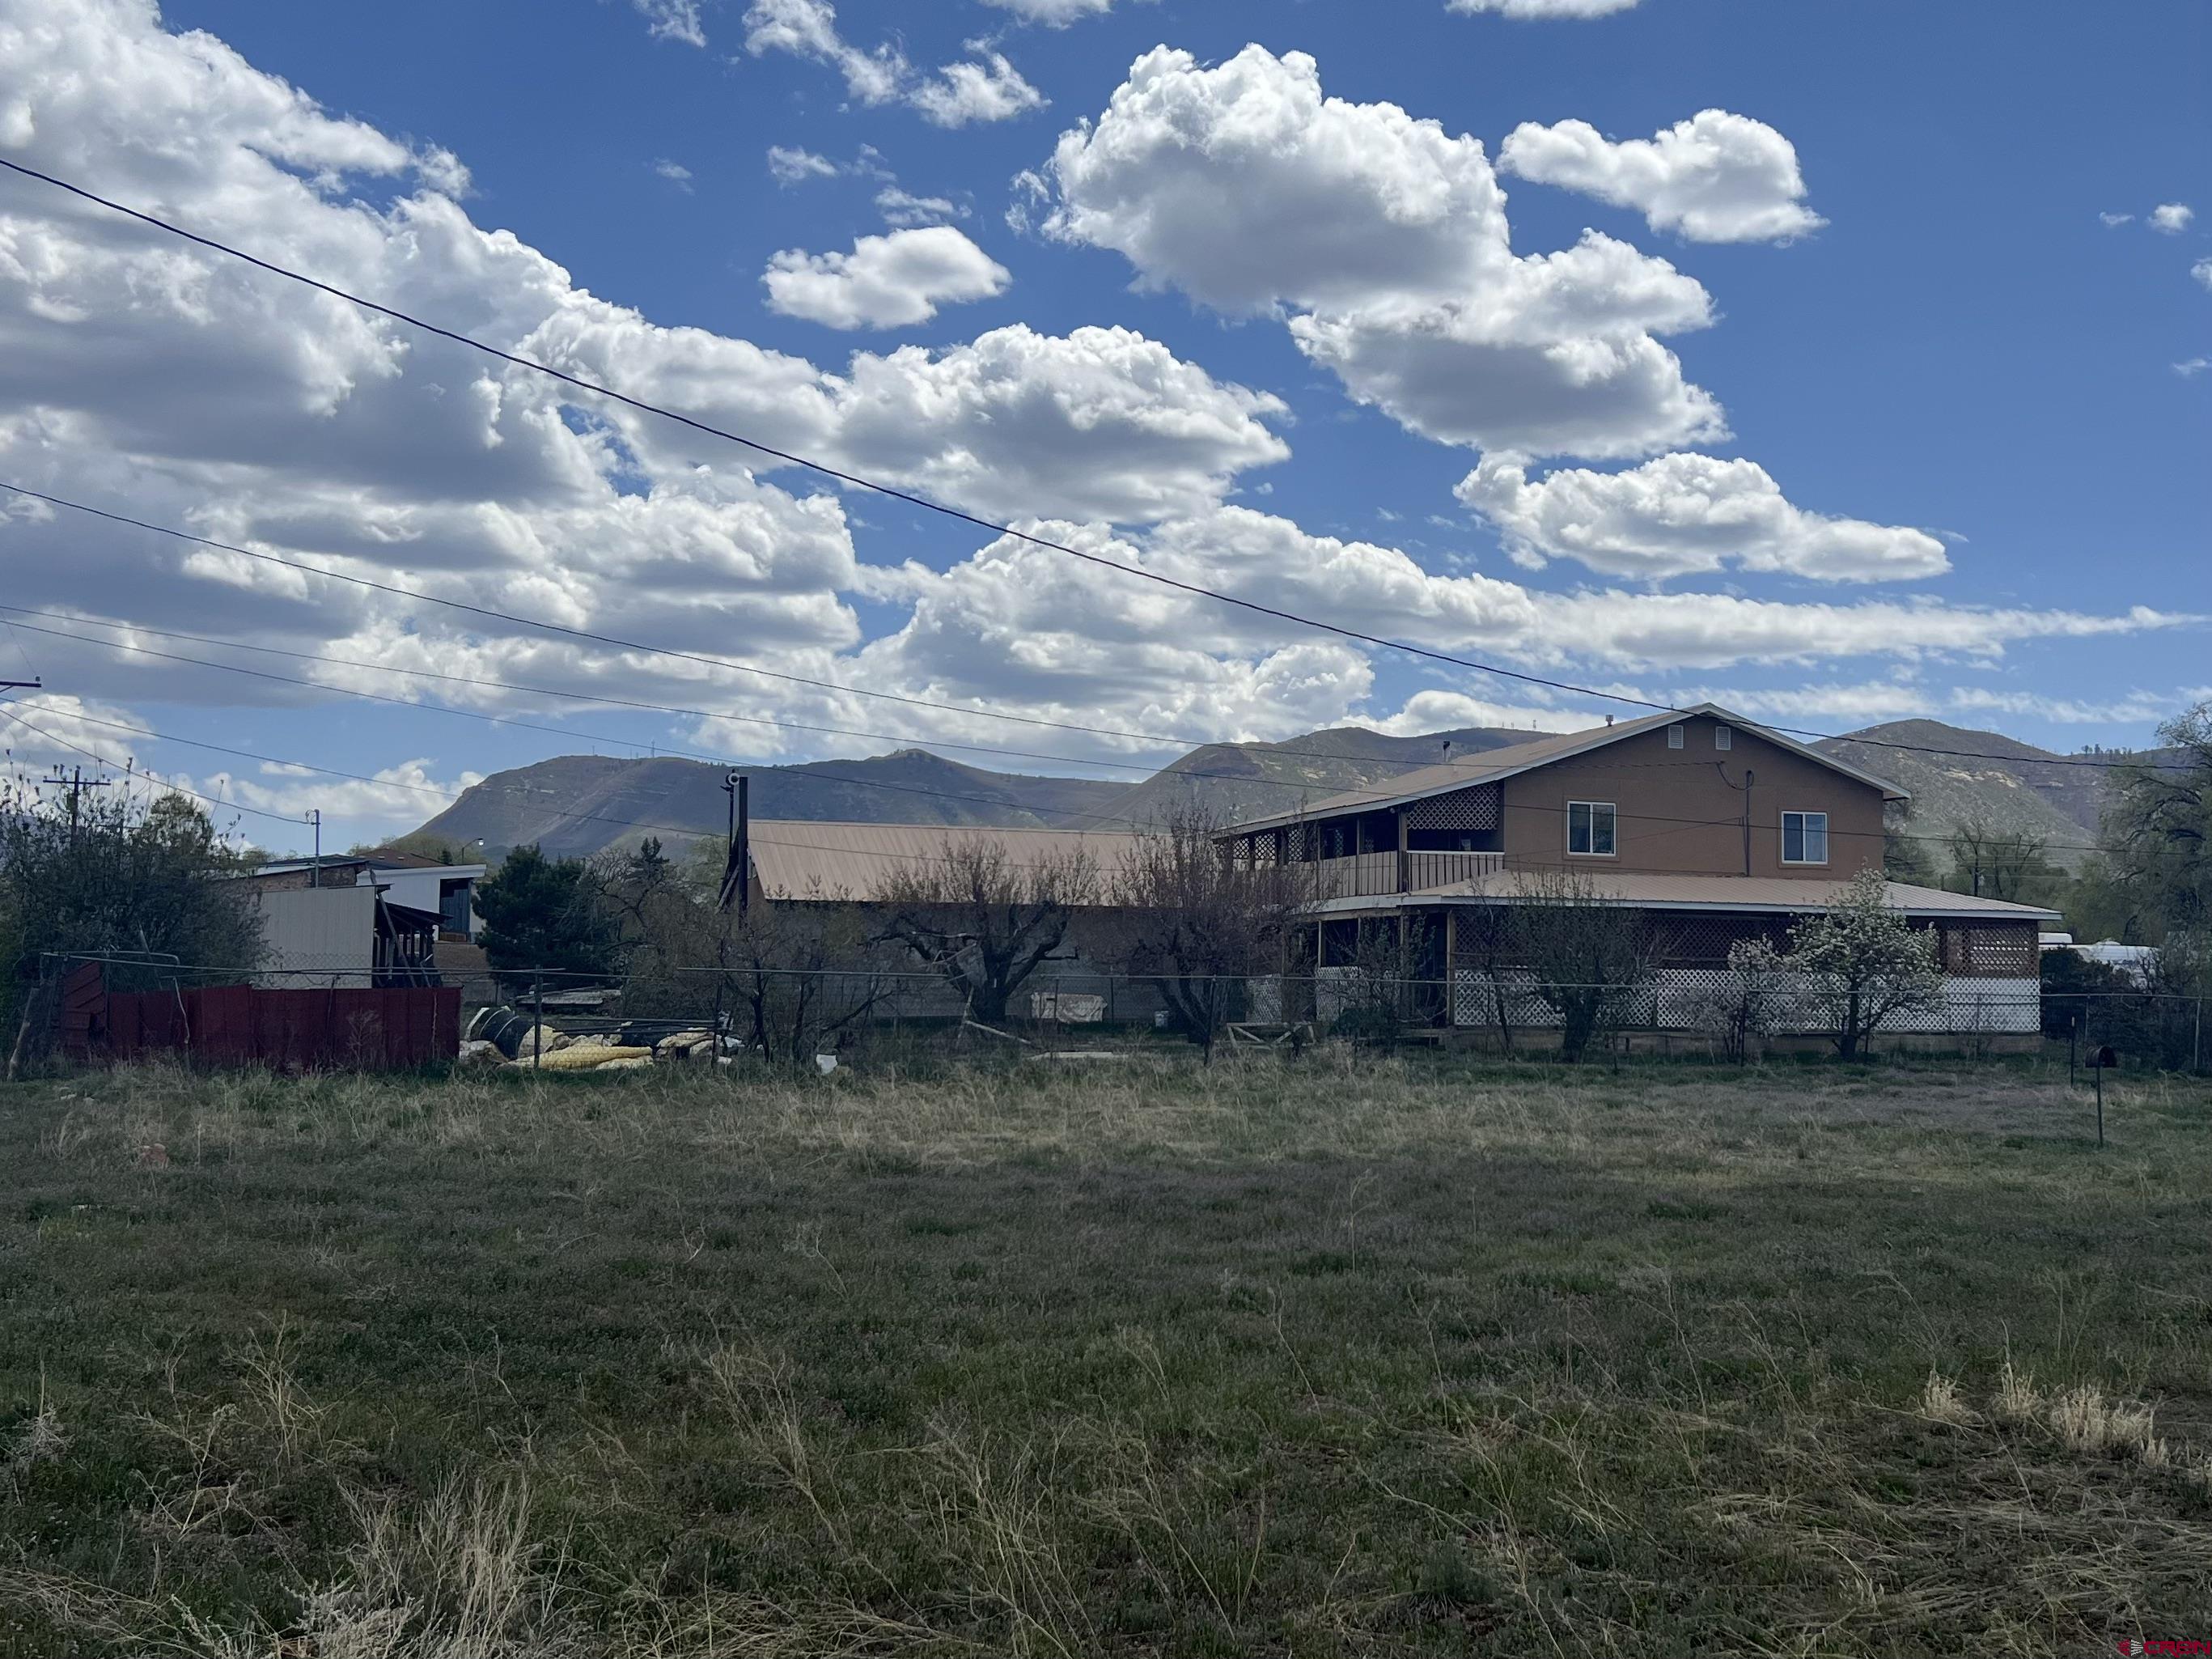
(1904, 298)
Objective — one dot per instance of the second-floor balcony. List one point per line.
(1375, 875)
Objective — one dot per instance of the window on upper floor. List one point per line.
(1674, 737)
(1590, 829)
(1804, 837)
(1723, 736)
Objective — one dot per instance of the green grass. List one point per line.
(1344, 1356)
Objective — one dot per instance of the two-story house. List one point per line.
(1710, 827)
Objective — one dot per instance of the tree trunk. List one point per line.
(35, 1007)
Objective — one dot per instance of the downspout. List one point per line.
(1749, 778)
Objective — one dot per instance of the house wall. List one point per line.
(423, 889)
(316, 939)
(335, 873)
(1677, 811)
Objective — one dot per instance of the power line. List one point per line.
(1473, 764)
(858, 480)
(1165, 738)
(722, 761)
(791, 459)
(91, 755)
(615, 641)
(1673, 826)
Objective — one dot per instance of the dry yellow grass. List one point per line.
(1353, 1355)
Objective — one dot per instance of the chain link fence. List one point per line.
(1079, 1005)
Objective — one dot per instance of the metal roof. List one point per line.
(800, 860)
(1652, 892)
(1494, 765)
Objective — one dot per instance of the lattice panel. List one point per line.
(2003, 951)
(1704, 941)
(1478, 808)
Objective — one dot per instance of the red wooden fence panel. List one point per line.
(289, 1030)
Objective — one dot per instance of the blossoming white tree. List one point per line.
(1863, 965)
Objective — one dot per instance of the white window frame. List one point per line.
(1612, 823)
(1804, 837)
(1674, 737)
(1725, 737)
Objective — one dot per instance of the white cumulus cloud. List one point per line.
(1542, 9)
(986, 88)
(1715, 178)
(1056, 14)
(2171, 217)
(347, 444)
(1386, 239)
(673, 20)
(885, 282)
(1685, 514)
(903, 206)
(791, 165)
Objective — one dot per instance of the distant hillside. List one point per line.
(575, 805)
(2020, 791)
(1259, 780)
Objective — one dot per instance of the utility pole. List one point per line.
(314, 816)
(22, 685)
(76, 783)
(737, 870)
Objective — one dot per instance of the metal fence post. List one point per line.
(537, 1021)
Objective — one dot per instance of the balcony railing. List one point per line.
(1377, 875)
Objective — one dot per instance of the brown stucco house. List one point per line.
(1709, 827)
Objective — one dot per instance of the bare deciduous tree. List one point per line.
(2002, 864)
(1198, 919)
(1587, 956)
(984, 919)
(2158, 832)
(801, 976)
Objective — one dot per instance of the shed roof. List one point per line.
(800, 860)
(1494, 765)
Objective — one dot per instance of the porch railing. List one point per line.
(1377, 875)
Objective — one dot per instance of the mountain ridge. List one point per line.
(573, 806)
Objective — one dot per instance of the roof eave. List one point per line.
(1599, 737)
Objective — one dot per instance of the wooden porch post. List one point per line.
(1451, 956)
(1405, 945)
(1405, 875)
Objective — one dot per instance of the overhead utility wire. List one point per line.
(156, 781)
(792, 458)
(1474, 763)
(587, 633)
(1163, 738)
(859, 481)
(833, 777)
(1675, 825)
(79, 748)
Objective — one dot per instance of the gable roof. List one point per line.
(1494, 765)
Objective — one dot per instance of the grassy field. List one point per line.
(1342, 1356)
